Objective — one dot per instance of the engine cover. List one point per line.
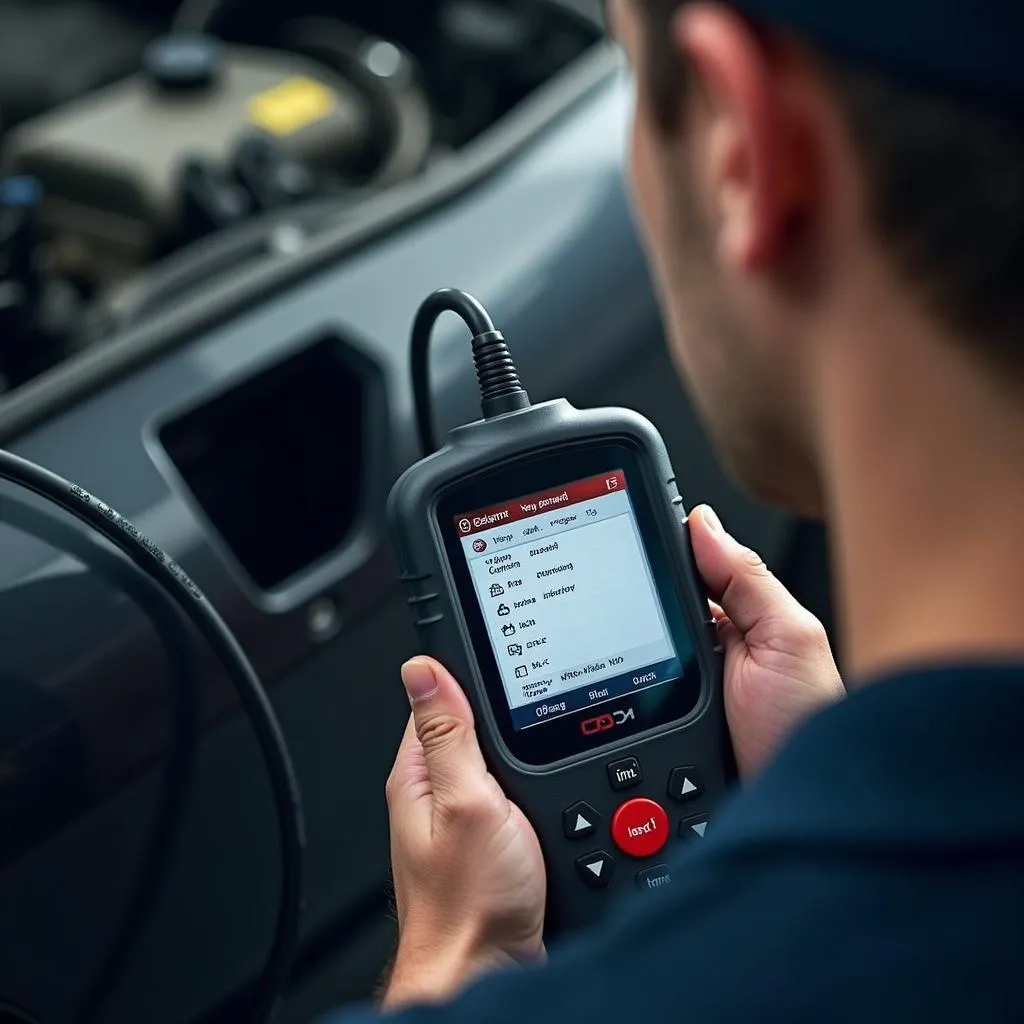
(110, 164)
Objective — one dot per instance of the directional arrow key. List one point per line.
(693, 827)
(596, 869)
(685, 784)
(579, 821)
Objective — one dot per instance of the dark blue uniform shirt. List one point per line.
(873, 873)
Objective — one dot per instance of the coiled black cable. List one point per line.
(171, 799)
(161, 569)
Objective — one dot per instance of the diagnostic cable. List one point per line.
(164, 571)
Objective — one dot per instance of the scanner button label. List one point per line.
(625, 773)
(654, 878)
(640, 827)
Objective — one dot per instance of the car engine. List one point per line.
(195, 137)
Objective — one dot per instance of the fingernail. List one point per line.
(419, 680)
(711, 520)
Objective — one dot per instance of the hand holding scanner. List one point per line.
(548, 567)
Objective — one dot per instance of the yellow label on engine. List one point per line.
(291, 106)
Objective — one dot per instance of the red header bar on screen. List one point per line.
(542, 503)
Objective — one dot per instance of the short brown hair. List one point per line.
(945, 183)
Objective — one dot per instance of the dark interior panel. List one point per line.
(278, 463)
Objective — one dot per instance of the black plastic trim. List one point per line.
(357, 550)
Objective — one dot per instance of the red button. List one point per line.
(640, 827)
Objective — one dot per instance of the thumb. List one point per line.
(735, 576)
(443, 721)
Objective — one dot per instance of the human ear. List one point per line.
(745, 163)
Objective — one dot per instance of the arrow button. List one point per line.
(580, 821)
(685, 784)
(596, 869)
(694, 827)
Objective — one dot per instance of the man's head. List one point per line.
(781, 188)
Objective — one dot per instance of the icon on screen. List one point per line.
(479, 545)
(521, 672)
(612, 483)
(503, 609)
(497, 590)
(465, 526)
(515, 650)
(508, 629)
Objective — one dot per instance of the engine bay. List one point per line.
(147, 150)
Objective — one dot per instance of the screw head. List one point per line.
(323, 619)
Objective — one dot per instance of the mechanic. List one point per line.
(832, 196)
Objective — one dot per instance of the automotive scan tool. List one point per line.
(548, 566)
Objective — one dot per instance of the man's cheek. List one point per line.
(652, 207)
(643, 192)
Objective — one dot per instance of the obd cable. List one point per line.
(162, 570)
(500, 388)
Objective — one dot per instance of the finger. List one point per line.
(443, 722)
(408, 787)
(410, 770)
(730, 638)
(736, 577)
(728, 635)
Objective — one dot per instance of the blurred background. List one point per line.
(216, 223)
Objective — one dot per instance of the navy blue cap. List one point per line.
(971, 46)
